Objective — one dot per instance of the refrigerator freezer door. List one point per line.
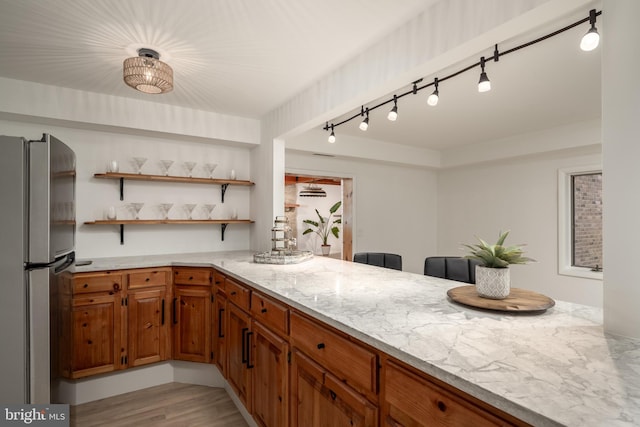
(51, 200)
(39, 347)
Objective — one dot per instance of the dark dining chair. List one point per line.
(452, 268)
(379, 259)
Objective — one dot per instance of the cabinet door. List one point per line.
(270, 377)
(238, 357)
(219, 332)
(319, 399)
(191, 314)
(96, 335)
(148, 326)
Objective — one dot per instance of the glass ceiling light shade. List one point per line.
(147, 73)
(590, 40)
(312, 190)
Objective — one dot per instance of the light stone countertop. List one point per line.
(555, 368)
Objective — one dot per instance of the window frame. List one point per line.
(565, 218)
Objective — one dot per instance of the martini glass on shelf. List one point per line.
(189, 167)
(136, 207)
(209, 168)
(166, 164)
(209, 210)
(164, 209)
(189, 207)
(139, 162)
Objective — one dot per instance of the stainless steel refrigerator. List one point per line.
(37, 235)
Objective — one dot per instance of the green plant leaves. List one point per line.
(497, 256)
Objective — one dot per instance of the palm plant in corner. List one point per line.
(325, 227)
(492, 275)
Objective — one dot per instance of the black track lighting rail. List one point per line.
(495, 58)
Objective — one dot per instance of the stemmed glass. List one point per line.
(136, 207)
(164, 209)
(189, 167)
(209, 210)
(209, 168)
(189, 208)
(139, 162)
(166, 164)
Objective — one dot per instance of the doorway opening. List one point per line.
(304, 194)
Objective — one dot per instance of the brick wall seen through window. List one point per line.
(587, 220)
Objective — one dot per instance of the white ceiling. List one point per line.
(246, 57)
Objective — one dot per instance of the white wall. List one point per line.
(518, 195)
(394, 205)
(95, 148)
(621, 151)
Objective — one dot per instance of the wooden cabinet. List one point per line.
(238, 353)
(320, 399)
(219, 332)
(91, 325)
(191, 308)
(409, 399)
(270, 377)
(148, 326)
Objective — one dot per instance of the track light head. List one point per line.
(393, 114)
(432, 100)
(364, 125)
(484, 84)
(591, 39)
(332, 136)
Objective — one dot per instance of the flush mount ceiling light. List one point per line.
(313, 190)
(147, 73)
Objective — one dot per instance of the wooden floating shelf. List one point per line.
(122, 222)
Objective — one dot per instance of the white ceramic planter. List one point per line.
(494, 283)
(326, 249)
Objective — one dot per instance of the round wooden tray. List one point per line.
(518, 301)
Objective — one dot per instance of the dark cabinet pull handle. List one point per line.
(244, 345)
(264, 310)
(220, 334)
(86, 285)
(333, 394)
(442, 406)
(116, 287)
(320, 346)
(190, 277)
(147, 279)
(233, 293)
(175, 318)
(249, 365)
(162, 308)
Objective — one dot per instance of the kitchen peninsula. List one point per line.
(555, 368)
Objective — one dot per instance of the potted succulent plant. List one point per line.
(325, 227)
(492, 275)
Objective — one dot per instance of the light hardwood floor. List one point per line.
(173, 404)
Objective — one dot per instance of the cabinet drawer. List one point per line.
(192, 276)
(412, 400)
(148, 277)
(270, 313)
(346, 359)
(218, 279)
(97, 282)
(237, 294)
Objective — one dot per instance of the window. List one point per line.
(580, 222)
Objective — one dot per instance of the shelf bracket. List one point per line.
(121, 188)
(223, 227)
(223, 188)
(122, 234)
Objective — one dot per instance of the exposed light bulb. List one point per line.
(590, 40)
(432, 100)
(393, 114)
(364, 125)
(332, 137)
(484, 85)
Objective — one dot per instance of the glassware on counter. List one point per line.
(113, 166)
(139, 162)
